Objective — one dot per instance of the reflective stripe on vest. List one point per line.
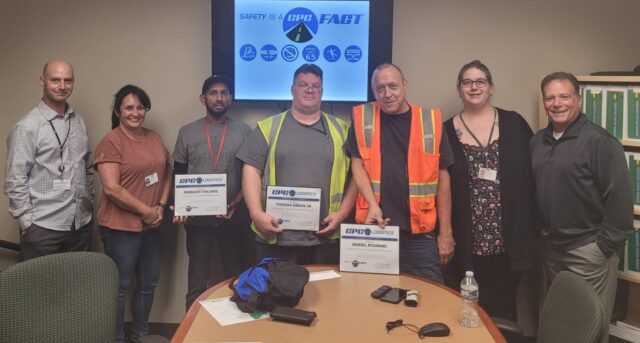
(422, 189)
(428, 134)
(338, 130)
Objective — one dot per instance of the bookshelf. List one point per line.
(629, 277)
(630, 145)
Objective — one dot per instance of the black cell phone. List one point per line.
(382, 290)
(395, 295)
(293, 315)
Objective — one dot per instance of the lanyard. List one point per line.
(214, 163)
(495, 114)
(61, 144)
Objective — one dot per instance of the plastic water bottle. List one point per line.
(469, 292)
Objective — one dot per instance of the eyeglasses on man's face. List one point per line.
(316, 87)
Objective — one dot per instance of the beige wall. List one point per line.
(163, 46)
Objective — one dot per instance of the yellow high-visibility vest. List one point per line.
(338, 129)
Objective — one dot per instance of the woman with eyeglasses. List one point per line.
(492, 192)
(134, 169)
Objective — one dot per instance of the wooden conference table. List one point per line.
(346, 313)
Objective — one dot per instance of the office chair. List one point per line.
(67, 297)
(572, 312)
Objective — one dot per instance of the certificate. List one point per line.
(200, 194)
(295, 208)
(369, 249)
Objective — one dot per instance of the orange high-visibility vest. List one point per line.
(422, 161)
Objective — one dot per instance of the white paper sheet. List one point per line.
(226, 312)
(323, 275)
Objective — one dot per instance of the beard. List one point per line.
(212, 111)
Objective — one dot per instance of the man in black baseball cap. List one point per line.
(209, 146)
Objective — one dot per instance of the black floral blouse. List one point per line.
(486, 212)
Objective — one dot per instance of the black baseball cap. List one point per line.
(217, 79)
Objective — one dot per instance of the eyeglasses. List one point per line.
(305, 87)
(480, 83)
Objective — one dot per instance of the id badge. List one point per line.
(151, 179)
(62, 185)
(488, 174)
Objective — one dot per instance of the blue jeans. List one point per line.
(137, 252)
(419, 256)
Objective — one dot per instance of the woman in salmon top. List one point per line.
(134, 169)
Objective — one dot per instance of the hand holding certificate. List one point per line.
(369, 249)
(295, 208)
(200, 195)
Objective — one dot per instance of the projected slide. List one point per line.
(274, 37)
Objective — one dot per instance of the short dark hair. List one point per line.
(478, 65)
(560, 75)
(119, 97)
(211, 80)
(308, 68)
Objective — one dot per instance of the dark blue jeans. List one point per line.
(419, 256)
(139, 253)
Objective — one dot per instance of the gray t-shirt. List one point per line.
(192, 149)
(304, 158)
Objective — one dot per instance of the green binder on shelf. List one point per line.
(636, 181)
(634, 169)
(633, 113)
(633, 250)
(615, 108)
(593, 107)
(581, 89)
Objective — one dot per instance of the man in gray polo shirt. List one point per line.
(304, 149)
(206, 146)
(48, 175)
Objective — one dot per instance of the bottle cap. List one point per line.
(468, 273)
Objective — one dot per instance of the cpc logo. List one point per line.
(366, 232)
(290, 192)
(191, 180)
(300, 24)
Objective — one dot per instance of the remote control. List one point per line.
(293, 315)
(380, 291)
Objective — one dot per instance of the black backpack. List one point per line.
(272, 282)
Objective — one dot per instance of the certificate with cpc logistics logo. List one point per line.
(200, 194)
(369, 249)
(295, 208)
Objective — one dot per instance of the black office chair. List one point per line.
(68, 297)
(572, 312)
